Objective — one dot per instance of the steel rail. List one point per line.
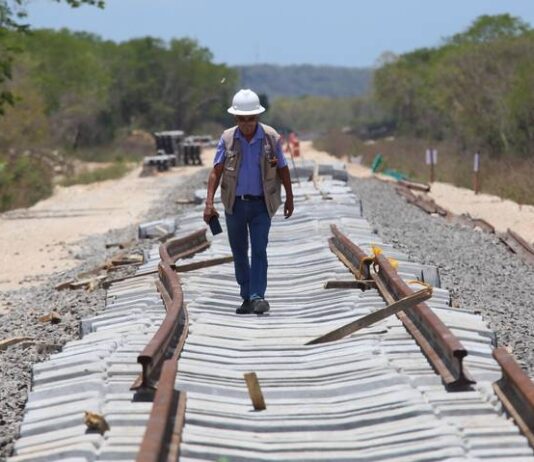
(444, 351)
(184, 247)
(516, 391)
(518, 245)
(353, 256)
(522, 242)
(161, 345)
(161, 440)
(442, 341)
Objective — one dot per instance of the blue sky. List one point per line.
(337, 32)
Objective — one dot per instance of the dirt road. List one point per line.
(43, 239)
(501, 213)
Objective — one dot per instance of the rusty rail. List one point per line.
(184, 247)
(522, 242)
(415, 185)
(424, 203)
(166, 337)
(518, 245)
(516, 392)
(163, 343)
(444, 351)
(349, 253)
(161, 441)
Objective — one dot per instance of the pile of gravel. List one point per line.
(27, 305)
(475, 267)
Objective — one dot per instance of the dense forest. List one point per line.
(77, 94)
(476, 89)
(306, 80)
(473, 93)
(85, 90)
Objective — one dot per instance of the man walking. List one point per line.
(250, 161)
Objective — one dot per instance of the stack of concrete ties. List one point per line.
(94, 374)
(371, 396)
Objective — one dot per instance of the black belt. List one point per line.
(249, 197)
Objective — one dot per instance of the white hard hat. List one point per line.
(246, 102)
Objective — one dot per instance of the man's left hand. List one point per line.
(288, 207)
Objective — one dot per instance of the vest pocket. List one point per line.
(231, 161)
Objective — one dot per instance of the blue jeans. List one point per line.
(249, 218)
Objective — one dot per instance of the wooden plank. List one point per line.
(342, 257)
(12, 341)
(415, 185)
(354, 326)
(254, 391)
(438, 364)
(203, 264)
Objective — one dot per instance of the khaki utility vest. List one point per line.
(269, 175)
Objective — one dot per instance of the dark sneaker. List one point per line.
(245, 308)
(260, 306)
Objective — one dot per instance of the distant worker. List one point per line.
(250, 160)
(294, 144)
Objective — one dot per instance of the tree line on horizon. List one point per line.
(477, 89)
(81, 95)
(72, 90)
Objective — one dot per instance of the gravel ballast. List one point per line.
(474, 266)
(27, 305)
(478, 270)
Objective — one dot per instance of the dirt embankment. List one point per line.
(501, 213)
(43, 239)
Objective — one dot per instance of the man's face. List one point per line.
(247, 124)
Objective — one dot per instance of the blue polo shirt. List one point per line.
(249, 177)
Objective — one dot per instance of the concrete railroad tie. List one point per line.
(369, 396)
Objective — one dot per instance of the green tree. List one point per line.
(310, 113)
(490, 28)
(162, 87)
(68, 70)
(476, 88)
(12, 13)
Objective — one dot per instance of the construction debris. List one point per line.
(89, 283)
(157, 229)
(403, 304)
(96, 422)
(254, 391)
(52, 318)
(124, 259)
(121, 245)
(203, 264)
(13, 341)
(415, 185)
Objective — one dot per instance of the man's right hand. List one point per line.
(209, 211)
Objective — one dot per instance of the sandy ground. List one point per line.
(502, 214)
(43, 239)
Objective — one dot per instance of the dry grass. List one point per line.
(510, 178)
(109, 172)
(24, 180)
